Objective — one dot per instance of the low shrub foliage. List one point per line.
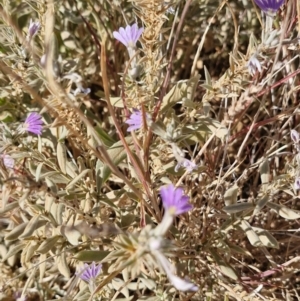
(149, 150)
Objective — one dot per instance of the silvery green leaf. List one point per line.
(62, 265)
(61, 156)
(99, 165)
(230, 196)
(266, 238)
(33, 224)
(117, 154)
(77, 179)
(183, 89)
(71, 234)
(51, 185)
(119, 285)
(56, 177)
(9, 207)
(31, 248)
(283, 211)
(38, 171)
(48, 244)
(14, 249)
(251, 235)
(224, 267)
(207, 77)
(260, 204)
(235, 208)
(42, 266)
(16, 232)
(264, 170)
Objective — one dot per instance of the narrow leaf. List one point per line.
(237, 207)
(91, 255)
(284, 212)
(78, 178)
(61, 156)
(230, 196)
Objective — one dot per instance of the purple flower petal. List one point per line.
(187, 164)
(297, 183)
(295, 136)
(33, 123)
(135, 120)
(90, 272)
(128, 36)
(174, 200)
(269, 6)
(33, 28)
(8, 161)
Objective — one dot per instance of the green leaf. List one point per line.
(91, 255)
(6, 117)
(107, 140)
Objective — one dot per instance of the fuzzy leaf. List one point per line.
(32, 225)
(250, 233)
(183, 89)
(237, 207)
(61, 156)
(62, 265)
(16, 232)
(264, 170)
(260, 204)
(284, 212)
(230, 196)
(48, 244)
(266, 238)
(225, 268)
(117, 154)
(13, 250)
(78, 178)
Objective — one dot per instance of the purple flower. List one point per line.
(297, 183)
(33, 123)
(90, 272)
(254, 65)
(295, 136)
(174, 201)
(269, 6)
(135, 120)
(129, 35)
(187, 164)
(8, 161)
(33, 28)
(18, 296)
